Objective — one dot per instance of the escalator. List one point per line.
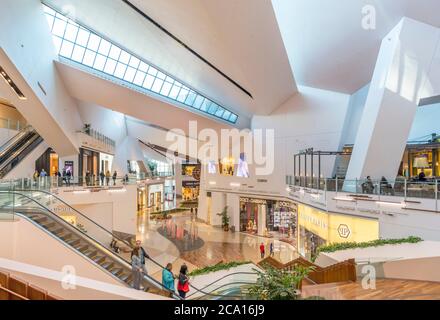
(17, 148)
(94, 242)
(87, 238)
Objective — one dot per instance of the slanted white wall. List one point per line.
(312, 118)
(400, 79)
(26, 243)
(27, 53)
(354, 115)
(96, 206)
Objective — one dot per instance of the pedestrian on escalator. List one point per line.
(183, 282)
(108, 175)
(142, 255)
(136, 267)
(168, 278)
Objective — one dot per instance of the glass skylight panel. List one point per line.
(75, 42)
(78, 53)
(71, 32)
(83, 37)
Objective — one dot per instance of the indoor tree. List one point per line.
(225, 218)
(275, 284)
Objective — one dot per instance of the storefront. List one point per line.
(106, 162)
(89, 163)
(155, 196)
(317, 228)
(49, 161)
(268, 218)
(142, 198)
(190, 190)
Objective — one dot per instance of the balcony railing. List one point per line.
(405, 188)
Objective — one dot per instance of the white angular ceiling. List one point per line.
(325, 41)
(241, 38)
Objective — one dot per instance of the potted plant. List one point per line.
(225, 218)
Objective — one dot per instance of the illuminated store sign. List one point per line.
(336, 228)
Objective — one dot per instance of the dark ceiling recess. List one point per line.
(429, 101)
(186, 47)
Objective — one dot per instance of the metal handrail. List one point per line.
(4, 148)
(112, 253)
(218, 280)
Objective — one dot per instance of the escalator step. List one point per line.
(66, 237)
(82, 248)
(90, 253)
(39, 220)
(73, 242)
(98, 259)
(48, 225)
(56, 230)
(125, 277)
(107, 265)
(117, 271)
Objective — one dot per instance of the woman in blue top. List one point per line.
(168, 278)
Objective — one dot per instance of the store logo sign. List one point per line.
(344, 231)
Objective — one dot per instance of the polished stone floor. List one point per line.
(218, 245)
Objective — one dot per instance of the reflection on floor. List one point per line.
(386, 289)
(218, 245)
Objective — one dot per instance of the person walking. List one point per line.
(168, 278)
(68, 177)
(136, 267)
(108, 175)
(115, 175)
(271, 250)
(183, 282)
(102, 176)
(262, 250)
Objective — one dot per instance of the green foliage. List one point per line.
(218, 267)
(375, 243)
(274, 284)
(225, 217)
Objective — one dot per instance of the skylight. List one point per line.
(76, 43)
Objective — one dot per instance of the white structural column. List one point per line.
(261, 220)
(401, 78)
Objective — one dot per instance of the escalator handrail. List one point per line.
(82, 215)
(112, 253)
(236, 283)
(17, 191)
(18, 136)
(218, 280)
(18, 151)
(201, 290)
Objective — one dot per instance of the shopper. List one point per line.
(262, 250)
(108, 175)
(168, 278)
(136, 267)
(68, 177)
(183, 282)
(271, 250)
(115, 175)
(142, 255)
(102, 176)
